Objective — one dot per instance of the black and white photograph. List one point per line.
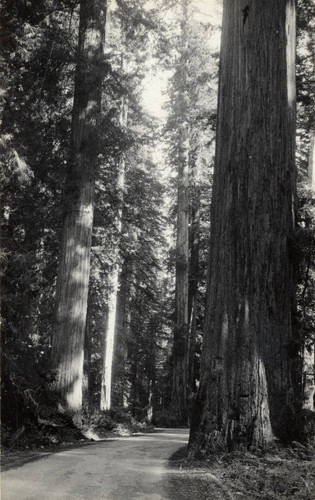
(157, 248)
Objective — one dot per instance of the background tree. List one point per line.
(305, 163)
(36, 98)
(188, 132)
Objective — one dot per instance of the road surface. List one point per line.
(126, 468)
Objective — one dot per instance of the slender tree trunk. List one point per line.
(247, 394)
(179, 413)
(121, 335)
(151, 368)
(74, 262)
(86, 384)
(150, 403)
(311, 162)
(309, 352)
(112, 300)
(193, 276)
(179, 410)
(127, 386)
(106, 384)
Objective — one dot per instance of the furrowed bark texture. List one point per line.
(74, 263)
(246, 394)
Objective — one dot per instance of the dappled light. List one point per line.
(73, 387)
(290, 47)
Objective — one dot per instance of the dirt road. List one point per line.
(126, 468)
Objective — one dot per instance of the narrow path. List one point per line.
(126, 468)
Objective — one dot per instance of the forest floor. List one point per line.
(286, 474)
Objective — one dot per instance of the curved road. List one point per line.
(125, 468)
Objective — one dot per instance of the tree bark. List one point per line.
(247, 394)
(106, 385)
(122, 331)
(194, 238)
(87, 382)
(151, 368)
(74, 261)
(179, 412)
(311, 162)
(309, 351)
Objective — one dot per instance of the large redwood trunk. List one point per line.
(74, 263)
(247, 394)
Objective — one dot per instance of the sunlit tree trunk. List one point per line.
(309, 350)
(247, 394)
(194, 238)
(112, 299)
(311, 163)
(74, 261)
(87, 382)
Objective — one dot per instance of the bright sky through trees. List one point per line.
(154, 87)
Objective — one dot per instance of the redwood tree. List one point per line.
(74, 261)
(247, 392)
(194, 247)
(179, 412)
(108, 353)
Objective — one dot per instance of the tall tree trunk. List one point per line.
(106, 385)
(151, 368)
(179, 414)
(87, 382)
(74, 262)
(311, 163)
(194, 238)
(122, 326)
(179, 410)
(247, 393)
(309, 351)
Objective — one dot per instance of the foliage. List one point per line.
(36, 99)
(305, 235)
(191, 109)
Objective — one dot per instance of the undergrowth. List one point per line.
(286, 473)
